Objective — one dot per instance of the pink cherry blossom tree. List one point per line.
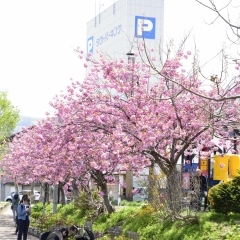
(126, 116)
(63, 154)
(161, 121)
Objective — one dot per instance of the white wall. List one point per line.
(113, 31)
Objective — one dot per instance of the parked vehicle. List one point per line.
(9, 198)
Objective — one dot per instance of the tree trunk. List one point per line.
(106, 201)
(129, 185)
(151, 182)
(174, 191)
(62, 194)
(32, 188)
(16, 186)
(75, 191)
(47, 193)
(55, 198)
(45, 199)
(99, 178)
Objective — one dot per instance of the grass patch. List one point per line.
(142, 219)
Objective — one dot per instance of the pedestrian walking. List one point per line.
(199, 188)
(15, 203)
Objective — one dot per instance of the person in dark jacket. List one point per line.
(15, 203)
(16, 221)
(23, 214)
(58, 234)
(199, 188)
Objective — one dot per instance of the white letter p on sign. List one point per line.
(144, 25)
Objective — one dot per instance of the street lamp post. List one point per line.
(129, 173)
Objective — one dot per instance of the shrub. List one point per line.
(68, 209)
(225, 197)
(91, 205)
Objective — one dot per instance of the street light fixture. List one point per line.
(131, 56)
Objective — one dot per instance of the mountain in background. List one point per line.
(26, 122)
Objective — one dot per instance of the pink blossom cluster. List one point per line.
(117, 120)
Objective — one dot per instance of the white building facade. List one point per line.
(118, 29)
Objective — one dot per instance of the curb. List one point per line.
(34, 232)
(4, 206)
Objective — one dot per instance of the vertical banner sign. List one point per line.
(186, 181)
(203, 165)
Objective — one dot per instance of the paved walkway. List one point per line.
(7, 226)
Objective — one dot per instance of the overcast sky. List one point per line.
(37, 39)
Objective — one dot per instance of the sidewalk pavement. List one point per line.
(7, 226)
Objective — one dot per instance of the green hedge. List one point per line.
(225, 197)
